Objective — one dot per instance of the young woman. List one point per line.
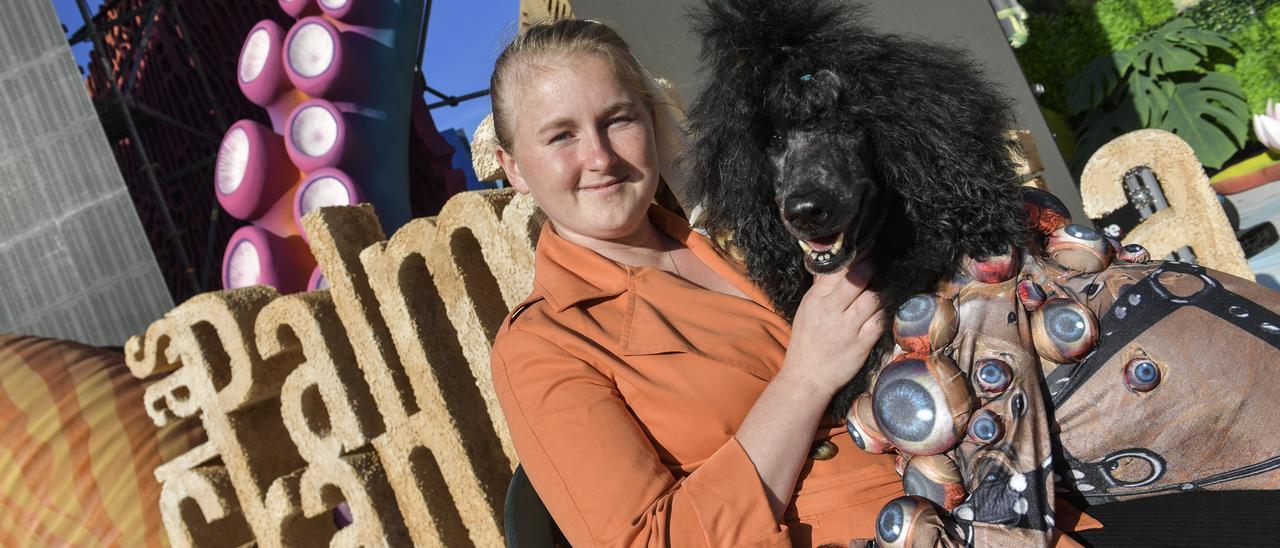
(653, 396)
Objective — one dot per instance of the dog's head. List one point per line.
(816, 140)
(825, 183)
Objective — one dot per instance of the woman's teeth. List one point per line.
(823, 253)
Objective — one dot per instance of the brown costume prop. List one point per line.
(1074, 366)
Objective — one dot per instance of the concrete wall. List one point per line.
(74, 262)
(662, 40)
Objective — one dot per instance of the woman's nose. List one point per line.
(599, 153)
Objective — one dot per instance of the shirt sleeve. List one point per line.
(599, 475)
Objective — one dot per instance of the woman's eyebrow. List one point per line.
(566, 121)
(620, 105)
(555, 124)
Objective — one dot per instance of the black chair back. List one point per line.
(527, 524)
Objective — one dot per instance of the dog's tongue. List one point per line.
(824, 243)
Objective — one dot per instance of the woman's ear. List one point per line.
(512, 170)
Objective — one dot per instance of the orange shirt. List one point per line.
(623, 388)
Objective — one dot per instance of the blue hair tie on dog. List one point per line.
(806, 78)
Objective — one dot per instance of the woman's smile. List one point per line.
(603, 189)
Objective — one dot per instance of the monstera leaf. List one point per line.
(1091, 86)
(1098, 127)
(1164, 81)
(1147, 97)
(1211, 115)
(1190, 34)
(1168, 50)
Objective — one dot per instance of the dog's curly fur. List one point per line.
(935, 139)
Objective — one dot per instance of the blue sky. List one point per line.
(464, 38)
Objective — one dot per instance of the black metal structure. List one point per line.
(445, 100)
(117, 113)
(119, 100)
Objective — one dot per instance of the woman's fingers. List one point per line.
(824, 284)
(839, 289)
(864, 305)
(874, 327)
(836, 309)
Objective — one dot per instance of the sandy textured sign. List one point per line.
(374, 392)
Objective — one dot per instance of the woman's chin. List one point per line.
(618, 227)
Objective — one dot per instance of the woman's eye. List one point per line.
(621, 120)
(560, 137)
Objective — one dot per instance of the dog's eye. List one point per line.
(775, 140)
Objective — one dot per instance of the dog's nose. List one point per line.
(806, 210)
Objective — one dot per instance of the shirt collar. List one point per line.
(569, 274)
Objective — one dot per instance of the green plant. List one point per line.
(1228, 16)
(1258, 64)
(1060, 44)
(1067, 34)
(1124, 21)
(1165, 80)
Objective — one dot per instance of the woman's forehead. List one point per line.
(570, 84)
(553, 70)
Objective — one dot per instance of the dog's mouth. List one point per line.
(829, 252)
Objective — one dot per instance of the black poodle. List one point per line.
(816, 139)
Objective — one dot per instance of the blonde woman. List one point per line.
(653, 396)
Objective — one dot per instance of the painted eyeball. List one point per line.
(935, 477)
(1047, 212)
(908, 521)
(922, 403)
(1064, 331)
(861, 424)
(1031, 295)
(992, 376)
(1141, 374)
(1079, 248)
(1133, 253)
(925, 323)
(993, 269)
(985, 428)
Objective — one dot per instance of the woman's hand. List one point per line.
(835, 328)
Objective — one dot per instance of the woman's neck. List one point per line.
(646, 246)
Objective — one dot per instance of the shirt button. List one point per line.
(823, 450)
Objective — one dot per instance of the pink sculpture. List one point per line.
(338, 89)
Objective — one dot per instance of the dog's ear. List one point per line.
(938, 130)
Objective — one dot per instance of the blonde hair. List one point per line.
(558, 40)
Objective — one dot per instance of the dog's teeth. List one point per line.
(805, 246)
(835, 248)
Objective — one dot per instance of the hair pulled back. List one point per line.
(557, 40)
